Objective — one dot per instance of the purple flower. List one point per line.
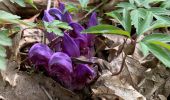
(77, 28)
(39, 54)
(61, 7)
(60, 67)
(82, 75)
(47, 16)
(58, 64)
(70, 47)
(56, 14)
(92, 22)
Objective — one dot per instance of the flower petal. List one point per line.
(81, 75)
(56, 13)
(67, 17)
(93, 20)
(60, 62)
(77, 28)
(70, 47)
(39, 54)
(47, 17)
(61, 7)
(50, 36)
(60, 66)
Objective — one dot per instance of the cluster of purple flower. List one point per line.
(58, 63)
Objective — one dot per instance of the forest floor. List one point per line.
(142, 78)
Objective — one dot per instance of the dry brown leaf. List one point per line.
(117, 87)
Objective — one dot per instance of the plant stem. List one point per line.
(48, 4)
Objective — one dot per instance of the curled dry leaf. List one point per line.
(154, 83)
(113, 85)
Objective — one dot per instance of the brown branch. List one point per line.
(98, 6)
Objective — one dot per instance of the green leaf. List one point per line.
(59, 24)
(144, 24)
(4, 40)
(158, 37)
(3, 63)
(8, 16)
(124, 19)
(83, 3)
(162, 44)
(31, 2)
(132, 1)
(126, 5)
(115, 15)
(166, 4)
(2, 51)
(161, 53)
(159, 24)
(70, 7)
(55, 30)
(144, 48)
(135, 19)
(165, 19)
(19, 2)
(159, 11)
(146, 3)
(109, 29)
(55, 25)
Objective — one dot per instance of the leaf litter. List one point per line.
(142, 78)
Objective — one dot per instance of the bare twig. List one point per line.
(123, 61)
(45, 91)
(98, 6)
(48, 4)
(122, 66)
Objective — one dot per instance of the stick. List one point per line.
(98, 6)
(48, 4)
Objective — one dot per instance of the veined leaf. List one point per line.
(163, 18)
(132, 1)
(146, 3)
(159, 24)
(126, 5)
(136, 16)
(157, 37)
(162, 44)
(2, 63)
(83, 3)
(2, 51)
(70, 7)
(115, 15)
(55, 25)
(159, 11)
(161, 53)
(144, 48)
(31, 2)
(144, 24)
(19, 2)
(8, 16)
(166, 4)
(125, 21)
(108, 29)
(4, 40)
(60, 24)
